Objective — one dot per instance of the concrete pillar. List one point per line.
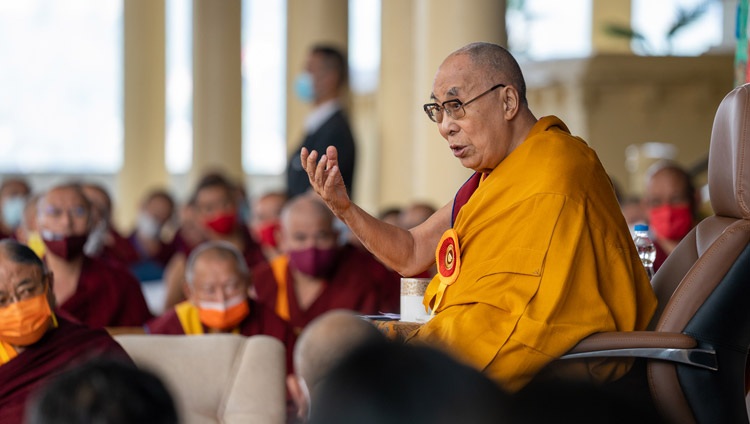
(440, 27)
(603, 13)
(144, 98)
(309, 22)
(217, 88)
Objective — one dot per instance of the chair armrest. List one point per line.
(634, 339)
(671, 347)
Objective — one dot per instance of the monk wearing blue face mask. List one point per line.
(314, 274)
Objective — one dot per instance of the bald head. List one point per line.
(327, 339)
(496, 63)
(306, 205)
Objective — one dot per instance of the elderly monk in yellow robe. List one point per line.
(533, 253)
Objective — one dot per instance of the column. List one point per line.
(442, 26)
(144, 93)
(606, 12)
(217, 88)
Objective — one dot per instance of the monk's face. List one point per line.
(65, 212)
(305, 227)
(267, 209)
(19, 281)
(213, 201)
(481, 138)
(217, 279)
(667, 187)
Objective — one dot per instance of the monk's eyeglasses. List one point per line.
(453, 108)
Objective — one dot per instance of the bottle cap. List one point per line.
(640, 227)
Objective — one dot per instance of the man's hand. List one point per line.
(325, 178)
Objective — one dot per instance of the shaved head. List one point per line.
(327, 339)
(494, 60)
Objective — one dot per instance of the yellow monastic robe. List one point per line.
(546, 259)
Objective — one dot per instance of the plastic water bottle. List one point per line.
(645, 248)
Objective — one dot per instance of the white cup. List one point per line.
(412, 294)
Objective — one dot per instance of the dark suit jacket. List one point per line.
(334, 132)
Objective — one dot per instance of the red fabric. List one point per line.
(354, 286)
(261, 320)
(661, 256)
(121, 250)
(107, 295)
(67, 345)
(464, 194)
(253, 253)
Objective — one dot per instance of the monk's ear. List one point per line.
(511, 102)
(51, 290)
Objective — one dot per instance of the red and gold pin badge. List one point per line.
(448, 257)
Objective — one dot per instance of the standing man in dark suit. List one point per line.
(322, 84)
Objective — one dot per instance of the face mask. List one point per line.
(671, 222)
(36, 244)
(267, 234)
(304, 88)
(24, 323)
(94, 244)
(222, 224)
(13, 211)
(67, 247)
(147, 226)
(313, 261)
(223, 316)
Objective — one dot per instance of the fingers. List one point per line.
(333, 156)
(303, 154)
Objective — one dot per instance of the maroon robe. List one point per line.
(260, 320)
(67, 345)
(353, 285)
(107, 295)
(121, 250)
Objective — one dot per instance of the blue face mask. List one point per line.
(304, 88)
(13, 211)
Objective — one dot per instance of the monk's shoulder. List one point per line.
(166, 323)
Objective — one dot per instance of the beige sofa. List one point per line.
(217, 378)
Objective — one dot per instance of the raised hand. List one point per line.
(325, 178)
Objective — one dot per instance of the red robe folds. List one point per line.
(67, 345)
(353, 285)
(107, 296)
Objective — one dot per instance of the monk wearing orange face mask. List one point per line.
(35, 342)
(217, 289)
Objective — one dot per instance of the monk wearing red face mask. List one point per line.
(671, 202)
(314, 274)
(97, 292)
(215, 204)
(217, 288)
(35, 342)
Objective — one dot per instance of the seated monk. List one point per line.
(35, 342)
(217, 289)
(97, 292)
(264, 221)
(105, 240)
(533, 254)
(314, 274)
(322, 344)
(214, 202)
(148, 238)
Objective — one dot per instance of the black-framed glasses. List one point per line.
(454, 108)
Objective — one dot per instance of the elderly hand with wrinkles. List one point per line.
(325, 178)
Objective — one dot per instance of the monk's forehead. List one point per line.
(457, 77)
(65, 195)
(12, 273)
